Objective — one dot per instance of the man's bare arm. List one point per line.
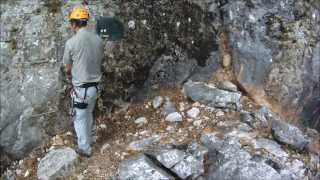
(67, 69)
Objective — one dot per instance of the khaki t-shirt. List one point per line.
(84, 51)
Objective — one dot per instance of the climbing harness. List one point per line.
(74, 95)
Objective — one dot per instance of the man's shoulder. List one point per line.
(70, 41)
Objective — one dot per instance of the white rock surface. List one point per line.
(141, 121)
(174, 117)
(193, 113)
(157, 102)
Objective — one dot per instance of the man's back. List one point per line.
(85, 52)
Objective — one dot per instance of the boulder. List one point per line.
(58, 163)
(289, 134)
(21, 137)
(142, 168)
(212, 96)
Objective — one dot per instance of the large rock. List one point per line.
(289, 134)
(212, 96)
(246, 170)
(58, 163)
(142, 168)
(271, 146)
(169, 157)
(230, 161)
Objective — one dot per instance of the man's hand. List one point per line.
(67, 69)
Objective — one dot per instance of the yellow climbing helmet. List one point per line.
(79, 13)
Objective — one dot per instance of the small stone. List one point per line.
(104, 148)
(170, 128)
(220, 113)
(103, 126)
(190, 120)
(196, 104)
(69, 133)
(57, 141)
(226, 62)
(66, 142)
(140, 121)
(131, 24)
(174, 117)
(197, 123)
(18, 171)
(27, 173)
(157, 102)
(182, 106)
(193, 113)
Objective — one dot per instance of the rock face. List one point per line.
(29, 75)
(33, 103)
(274, 44)
(274, 51)
(212, 96)
(59, 163)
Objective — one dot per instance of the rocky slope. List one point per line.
(269, 49)
(171, 137)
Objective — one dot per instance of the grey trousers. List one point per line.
(83, 118)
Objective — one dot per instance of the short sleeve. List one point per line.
(67, 56)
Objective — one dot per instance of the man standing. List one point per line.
(82, 59)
